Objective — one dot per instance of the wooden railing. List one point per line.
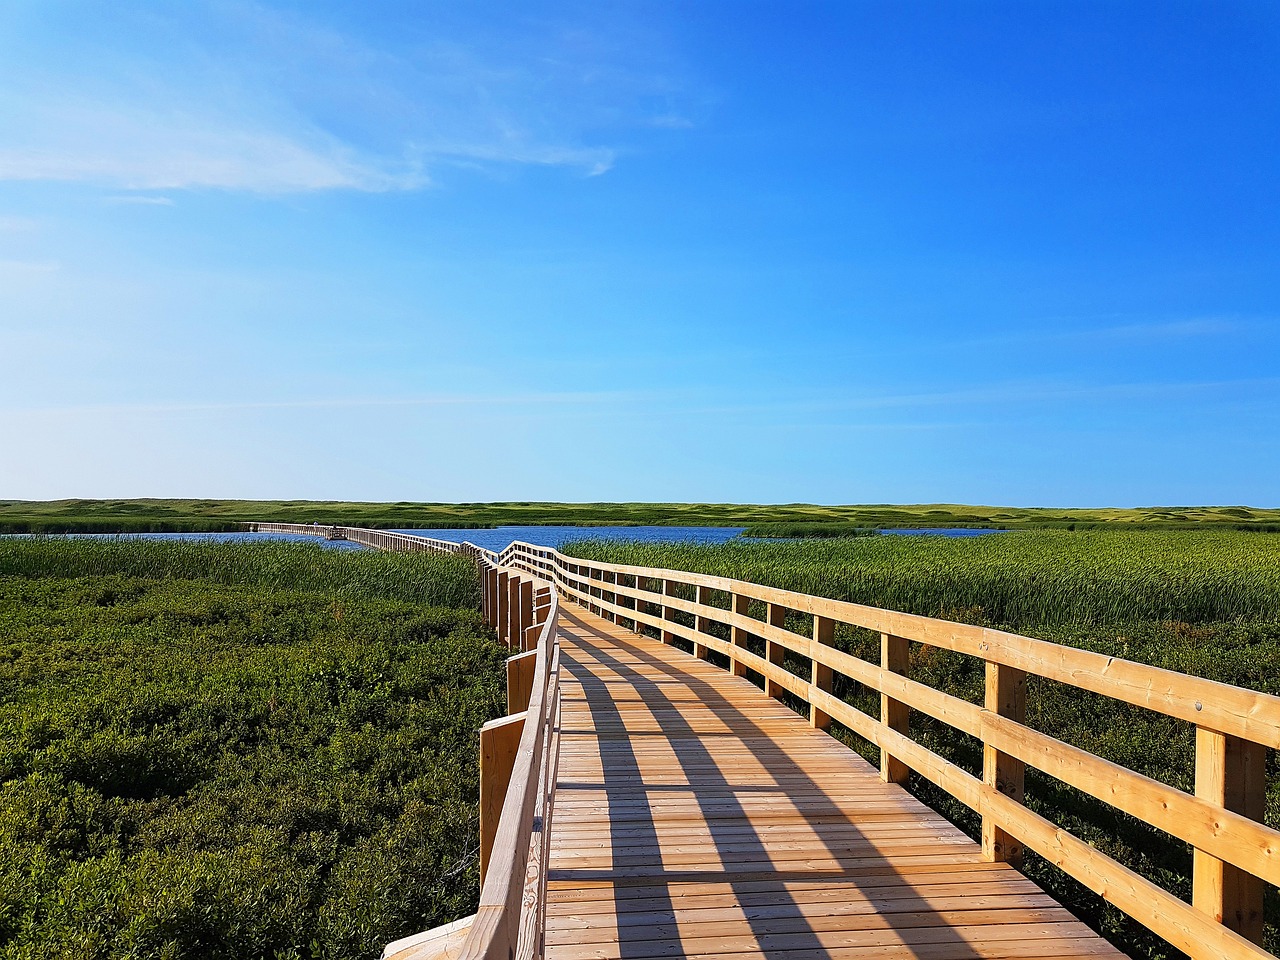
(518, 755)
(1235, 855)
(378, 539)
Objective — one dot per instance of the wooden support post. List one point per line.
(1230, 772)
(701, 624)
(824, 632)
(499, 742)
(642, 606)
(894, 714)
(513, 610)
(526, 611)
(1006, 696)
(504, 606)
(740, 605)
(668, 590)
(520, 680)
(610, 577)
(491, 579)
(774, 652)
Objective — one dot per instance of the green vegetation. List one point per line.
(224, 750)
(141, 516)
(808, 531)
(1204, 602)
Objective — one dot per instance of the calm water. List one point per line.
(499, 538)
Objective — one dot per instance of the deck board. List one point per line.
(695, 817)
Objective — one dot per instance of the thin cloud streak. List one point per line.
(439, 400)
(261, 115)
(1003, 394)
(139, 200)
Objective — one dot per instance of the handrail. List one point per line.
(508, 922)
(1234, 853)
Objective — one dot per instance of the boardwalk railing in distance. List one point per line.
(378, 539)
(1235, 854)
(518, 756)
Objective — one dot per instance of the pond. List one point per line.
(499, 538)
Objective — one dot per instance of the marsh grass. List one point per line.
(230, 750)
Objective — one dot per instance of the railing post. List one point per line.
(526, 612)
(824, 632)
(895, 658)
(513, 610)
(701, 624)
(608, 576)
(774, 652)
(739, 604)
(503, 605)
(1231, 773)
(668, 613)
(1007, 696)
(641, 606)
(520, 681)
(499, 742)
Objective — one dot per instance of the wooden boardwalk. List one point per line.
(696, 817)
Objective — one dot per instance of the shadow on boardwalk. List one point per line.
(696, 817)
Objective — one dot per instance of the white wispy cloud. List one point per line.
(17, 224)
(518, 400)
(143, 149)
(285, 104)
(29, 268)
(139, 199)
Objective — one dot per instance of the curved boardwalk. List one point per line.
(696, 817)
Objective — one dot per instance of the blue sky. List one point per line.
(1016, 253)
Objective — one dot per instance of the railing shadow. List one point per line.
(764, 901)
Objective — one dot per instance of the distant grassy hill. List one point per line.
(792, 519)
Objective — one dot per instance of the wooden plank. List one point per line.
(662, 799)
(520, 681)
(499, 740)
(440, 943)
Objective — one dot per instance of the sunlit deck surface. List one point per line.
(696, 817)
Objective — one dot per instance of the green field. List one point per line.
(1204, 602)
(232, 751)
(136, 516)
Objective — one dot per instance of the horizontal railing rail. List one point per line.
(1235, 854)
